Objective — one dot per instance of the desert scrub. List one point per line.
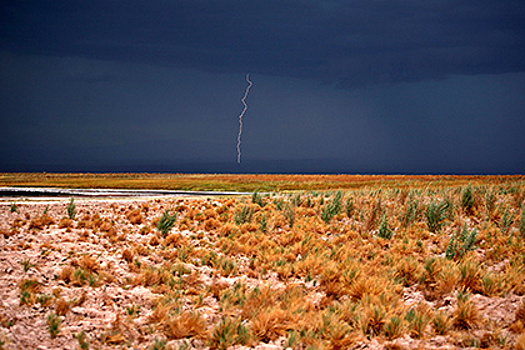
(465, 315)
(418, 320)
(372, 319)
(135, 217)
(289, 213)
(384, 229)
(53, 323)
(228, 332)
(29, 288)
(263, 224)
(257, 199)
(39, 222)
(394, 327)
(441, 322)
(184, 325)
(470, 275)
(166, 222)
(349, 207)
(14, 208)
(296, 200)
(506, 221)
(467, 200)
(490, 200)
(522, 223)
(332, 208)
(27, 265)
(460, 243)
(81, 272)
(436, 213)
(71, 209)
(83, 341)
(411, 213)
(243, 214)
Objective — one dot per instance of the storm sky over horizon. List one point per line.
(383, 86)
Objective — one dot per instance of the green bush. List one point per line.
(71, 209)
(14, 208)
(411, 213)
(349, 207)
(384, 229)
(467, 199)
(436, 213)
(289, 214)
(53, 322)
(257, 199)
(166, 222)
(522, 222)
(459, 245)
(332, 208)
(243, 215)
(506, 221)
(229, 332)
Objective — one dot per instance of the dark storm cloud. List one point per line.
(430, 86)
(348, 43)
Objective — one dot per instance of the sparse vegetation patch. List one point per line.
(419, 263)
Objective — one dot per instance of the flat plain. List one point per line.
(304, 262)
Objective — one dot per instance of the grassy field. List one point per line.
(346, 262)
(250, 183)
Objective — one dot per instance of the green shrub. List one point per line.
(243, 215)
(263, 224)
(71, 209)
(506, 221)
(436, 213)
(229, 332)
(83, 341)
(522, 222)
(257, 199)
(467, 199)
(278, 203)
(384, 229)
(166, 222)
(53, 323)
(349, 207)
(290, 215)
(297, 200)
(411, 213)
(459, 245)
(490, 200)
(332, 208)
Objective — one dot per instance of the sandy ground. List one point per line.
(113, 313)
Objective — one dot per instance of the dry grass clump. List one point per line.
(128, 255)
(442, 322)
(184, 325)
(135, 217)
(117, 333)
(8, 233)
(29, 289)
(87, 270)
(229, 331)
(520, 342)
(40, 222)
(62, 307)
(66, 223)
(465, 315)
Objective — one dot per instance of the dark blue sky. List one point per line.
(386, 86)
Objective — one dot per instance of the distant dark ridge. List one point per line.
(67, 192)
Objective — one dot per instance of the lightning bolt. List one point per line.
(243, 100)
